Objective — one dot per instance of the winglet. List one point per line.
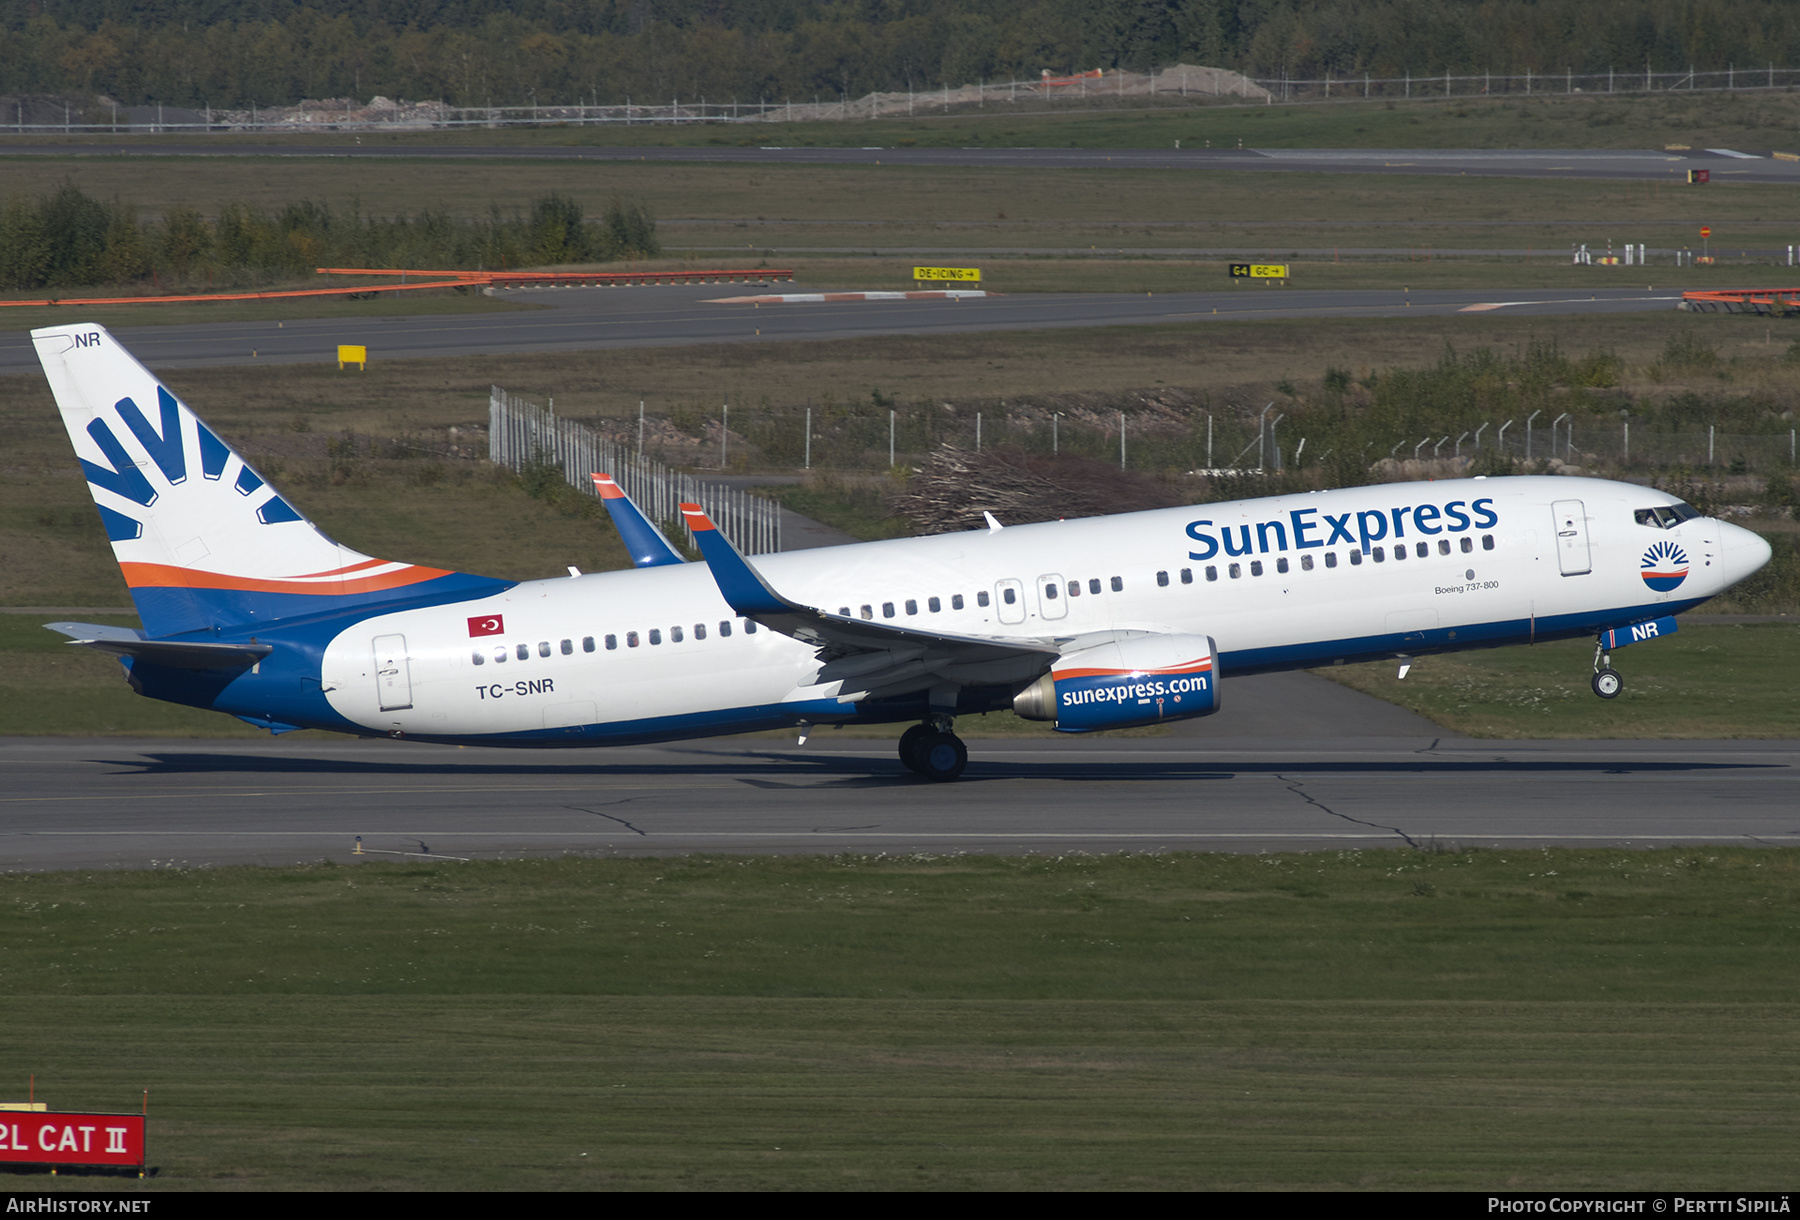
(648, 547)
(743, 588)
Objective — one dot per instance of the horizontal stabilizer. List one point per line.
(647, 545)
(176, 654)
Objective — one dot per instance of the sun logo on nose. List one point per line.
(1664, 566)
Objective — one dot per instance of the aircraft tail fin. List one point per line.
(203, 540)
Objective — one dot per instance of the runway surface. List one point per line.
(120, 803)
(1737, 165)
(598, 319)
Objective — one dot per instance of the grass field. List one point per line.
(1748, 121)
(1705, 681)
(726, 208)
(1357, 1020)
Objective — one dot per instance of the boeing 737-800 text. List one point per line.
(1105, 622)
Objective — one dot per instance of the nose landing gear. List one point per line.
(1607, 682)
(933, 751)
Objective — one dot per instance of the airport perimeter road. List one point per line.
(596, 319)
(118, 803)
(1639, 164)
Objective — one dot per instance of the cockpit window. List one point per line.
(1667, 516)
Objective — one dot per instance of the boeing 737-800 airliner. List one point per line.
(1097, 623)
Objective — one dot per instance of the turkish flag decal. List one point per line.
(489, 624)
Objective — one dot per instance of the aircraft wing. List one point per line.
(868, 657)
(648, 547)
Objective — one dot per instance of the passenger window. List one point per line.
(868, 612)
(725, 627)
(1094, 586)
(1281, 564)
(1212, 573)
(1306, 563)
(1443, 546)
(1009, 596)
(675, 635)
(887, 609)
(956, 602)
(1423, 550)
(1356, 559)
(500, 654)
(843, 612)
(749, 627)
(912, 605)
(981, 598)
(631, 640)
(1399, 552)
(699, 631)
(543, 648)
(1235, 571)
(477, 659)
(1074, 588)
(612, 643)
(1187, 576)
(1331, 559)
(1378, 554)
(934, 605)
(1468, 544)
(656, 635)
(523, 652)
(568, 648)
(1050, 591)
(587, 643)
(1118, 584)
(1487, 542)
(1256, 567)
(1162, 580)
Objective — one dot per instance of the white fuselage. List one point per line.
(1278, 583)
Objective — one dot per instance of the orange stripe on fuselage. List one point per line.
(166, 576)
(1200, 667)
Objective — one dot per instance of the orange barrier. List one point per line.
(1743, 300)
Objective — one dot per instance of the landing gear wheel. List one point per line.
(942, 756)
(909, 747)
(1608, 683)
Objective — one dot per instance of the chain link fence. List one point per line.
(522, 434)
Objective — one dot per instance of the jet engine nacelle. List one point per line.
(1144, 680)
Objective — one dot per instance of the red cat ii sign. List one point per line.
(43, 1138)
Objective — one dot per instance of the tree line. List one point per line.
(238, 53)
(68, 239)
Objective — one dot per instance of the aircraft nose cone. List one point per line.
(1744, 551)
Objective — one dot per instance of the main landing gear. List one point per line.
(1607, 682)
(932, 750)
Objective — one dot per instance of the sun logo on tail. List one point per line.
(1664, 566)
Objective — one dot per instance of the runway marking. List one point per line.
(816, 298)
(189, 793)
(910, 837)
(1566, 301)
